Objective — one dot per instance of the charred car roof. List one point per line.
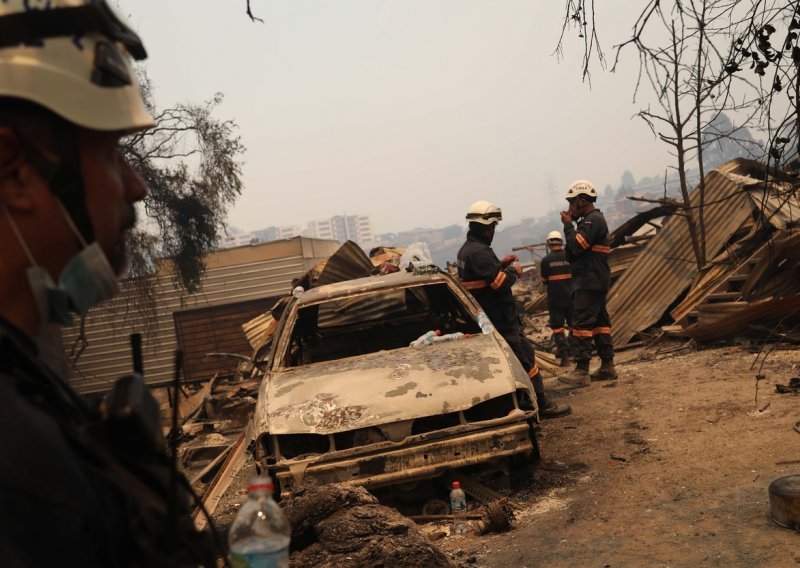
(369, 283)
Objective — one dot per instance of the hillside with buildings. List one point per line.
(444, 242)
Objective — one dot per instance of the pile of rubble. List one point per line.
(750, 220)
(343, 526)
(212, 430)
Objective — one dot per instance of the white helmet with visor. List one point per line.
(73, 58)
(484, 212)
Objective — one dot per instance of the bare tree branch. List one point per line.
(250, 14)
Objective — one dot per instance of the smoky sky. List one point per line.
(405, 110)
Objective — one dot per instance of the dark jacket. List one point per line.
(489, 281)
(72, 492)
(554, 272)
(587, 251)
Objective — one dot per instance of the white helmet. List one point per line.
(72, 57)
(554, 236)
(484, 212)
(581, 187)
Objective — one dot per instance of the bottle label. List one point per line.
(278, 559)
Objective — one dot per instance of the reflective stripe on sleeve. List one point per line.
(601, 331)
(474, 284)
(557, 330)
(498, 280)
(561, 277)
(534, 371)
(582, 241)
(601, 248)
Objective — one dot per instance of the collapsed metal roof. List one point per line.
(666, 267)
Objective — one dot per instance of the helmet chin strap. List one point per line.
(67, 185)
(65, 178)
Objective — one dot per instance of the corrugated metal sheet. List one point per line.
(622, 257)
(769, 310)
(344, 311)
(781, 208)
(234, 275)
(714, 276)
(216, 329)
(776, 272)
(347, 263)
(666, 267)
(259, 329)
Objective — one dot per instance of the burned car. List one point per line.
(346, 399)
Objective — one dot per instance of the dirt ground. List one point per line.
(668, 466)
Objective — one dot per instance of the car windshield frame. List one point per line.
(280, 354)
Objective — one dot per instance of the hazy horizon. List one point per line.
(407, 111)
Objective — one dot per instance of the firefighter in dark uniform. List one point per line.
(80, 484)
(554, 272)
(490, 281)
(587, 250)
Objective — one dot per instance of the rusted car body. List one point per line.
(345, 399)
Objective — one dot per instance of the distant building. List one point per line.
(357, 228)
(320, 227)
(276, 233)
(235, 240)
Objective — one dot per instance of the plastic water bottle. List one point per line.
(485, 323)
(450, 336)
(260, 534)
(458, 507)
(425, 339)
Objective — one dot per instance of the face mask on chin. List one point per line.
(88, 279)
(85, 281)
(52, 302)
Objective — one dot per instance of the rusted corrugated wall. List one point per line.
(666, 266)
(216, 329)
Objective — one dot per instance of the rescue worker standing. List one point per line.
(587, 249)
(555, 274)
(490, 281)
(79, 485)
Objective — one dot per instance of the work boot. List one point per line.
(606, 372)
(564, 360)
(577, 377)
(549, 409)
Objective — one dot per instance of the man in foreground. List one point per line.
(79, 485)
(490, 281)
(587, 250)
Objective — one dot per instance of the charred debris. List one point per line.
(748, 292)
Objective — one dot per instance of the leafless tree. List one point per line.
(580, 15)
(190, 162)
(688, 53)
(250, 14)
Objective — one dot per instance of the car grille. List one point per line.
(293, 446)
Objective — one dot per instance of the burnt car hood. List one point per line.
(387, 386)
